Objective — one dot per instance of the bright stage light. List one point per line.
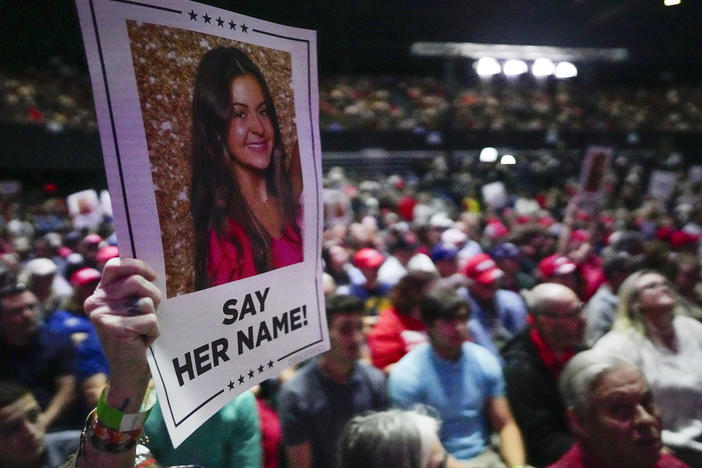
(671, 2)
(542, 67)
(566, 70)
(488, 154)
(487, 66)
(514, 67)
(508, 159)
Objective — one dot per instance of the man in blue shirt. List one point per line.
(462, 382)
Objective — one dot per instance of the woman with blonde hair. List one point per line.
(667, 348)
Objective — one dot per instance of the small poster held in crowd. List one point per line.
(209, 129)
(495, 195)
(85, 209)
(661, 185)
(593, 179)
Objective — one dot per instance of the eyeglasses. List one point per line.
(574, 313)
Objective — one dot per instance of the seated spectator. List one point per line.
(683, 270)
(371, 291)
(462, 381)
(445, 257)
(39, 358)
(400, 328)
(560, 269)
(403, 258)
(50, 289)
(231, 438)
(507, 257)
(91, 369)
(613, 415)
(601, 308)
(496, 314)
(533, 361)
(337, 265)
(667, 348)
(327, 392)
(23, 439)
(392, 439)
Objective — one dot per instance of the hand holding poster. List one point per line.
(208, 124)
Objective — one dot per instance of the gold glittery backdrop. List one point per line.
(165, 60)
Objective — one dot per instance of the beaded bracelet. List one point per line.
(107, 439)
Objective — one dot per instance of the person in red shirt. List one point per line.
(399, 328)
(613, 415)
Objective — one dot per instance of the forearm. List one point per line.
(511, 445)
(64, 397)
(128, 397)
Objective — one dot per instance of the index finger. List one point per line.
(118, 268)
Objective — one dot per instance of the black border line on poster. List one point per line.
(124, 194)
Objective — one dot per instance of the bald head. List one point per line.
(547, 296)
(557, 313)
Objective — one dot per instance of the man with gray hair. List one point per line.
(533, 361)
(612, 414)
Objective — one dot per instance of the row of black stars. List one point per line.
(250, 374)
(220, 22)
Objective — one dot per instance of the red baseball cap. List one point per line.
(368, 258)
(84, 276)
(92, 239)
(556, 265)
(106, 253)
(680, 238)
(482, 269)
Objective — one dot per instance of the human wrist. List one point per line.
(131, 411)
(127, 392)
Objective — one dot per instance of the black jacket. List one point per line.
(537, 407)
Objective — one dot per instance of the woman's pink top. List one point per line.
(226, 264)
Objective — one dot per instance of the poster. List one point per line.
(208, 123)
(593, 178)
(661, 185)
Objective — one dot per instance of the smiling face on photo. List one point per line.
(249, 137)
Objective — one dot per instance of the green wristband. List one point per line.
(120, 421)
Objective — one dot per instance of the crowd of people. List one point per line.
(437, 294)
(59, 99)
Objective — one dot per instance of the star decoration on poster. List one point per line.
(221, 22)
(251, 373)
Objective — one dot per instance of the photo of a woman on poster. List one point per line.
(245, 187)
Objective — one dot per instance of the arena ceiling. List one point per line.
(374, 36)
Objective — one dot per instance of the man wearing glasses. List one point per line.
(533, 361)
